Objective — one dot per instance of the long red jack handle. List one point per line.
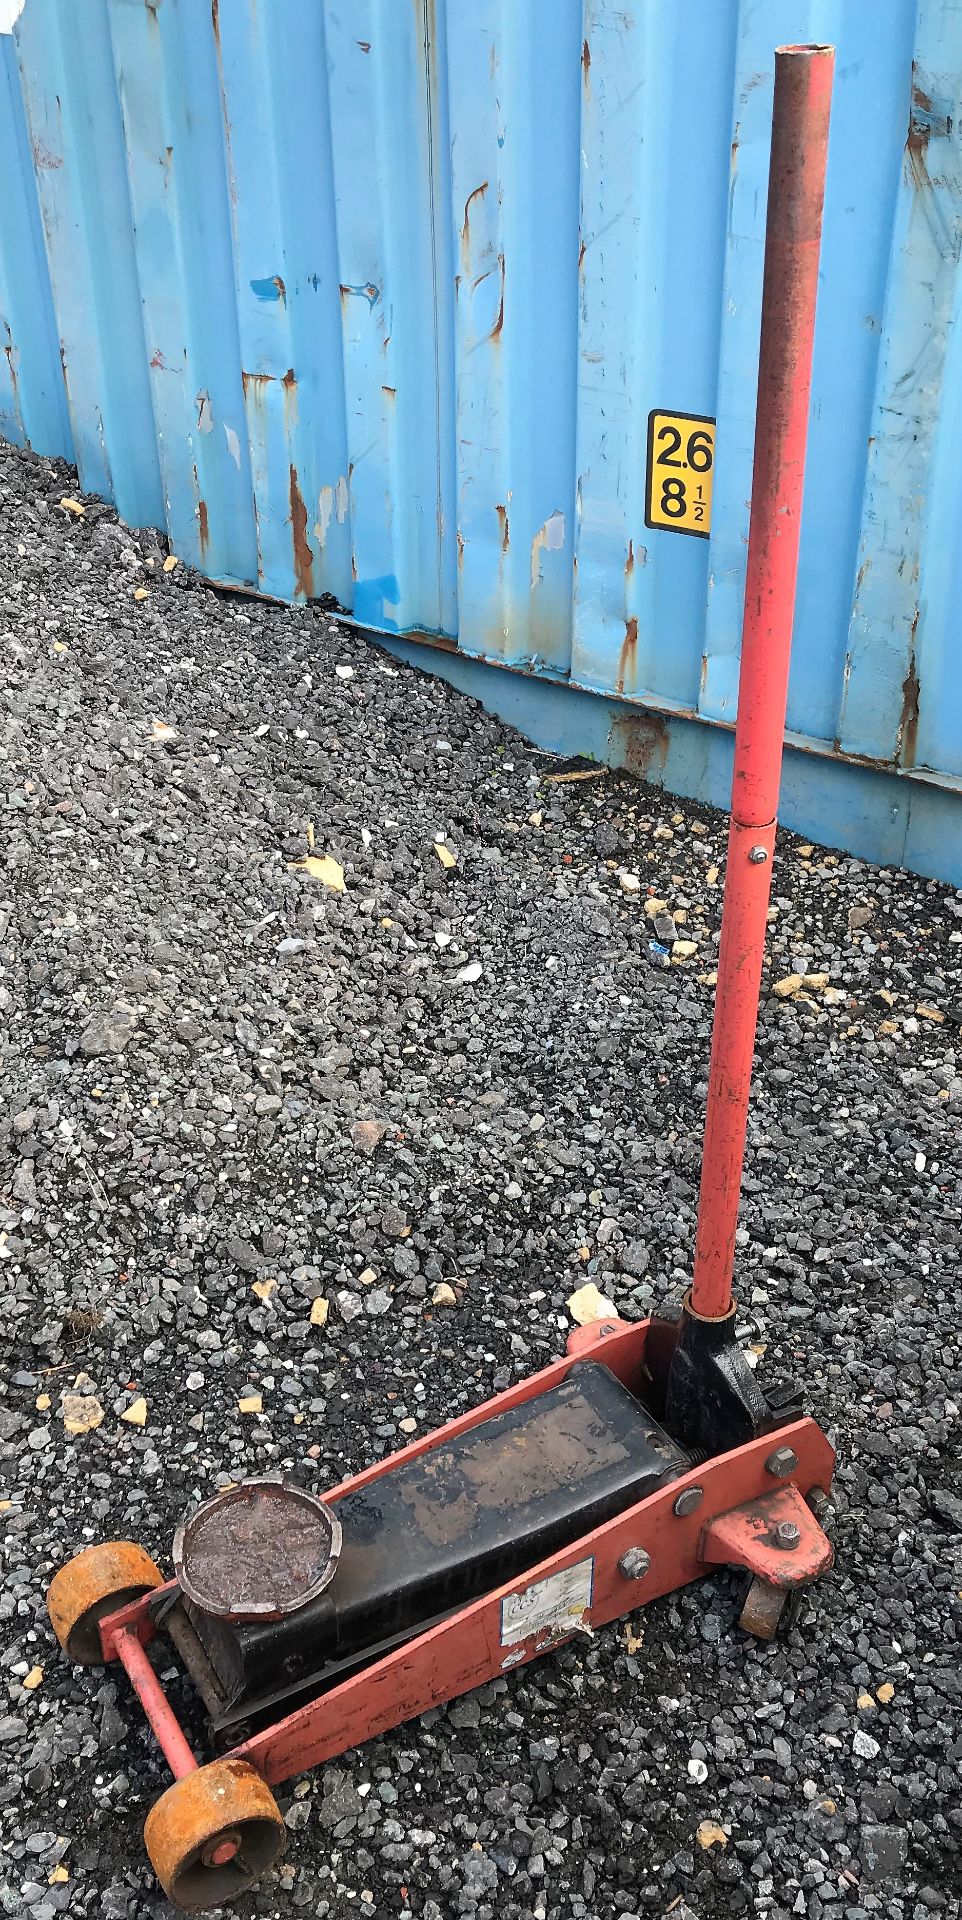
(803, 94)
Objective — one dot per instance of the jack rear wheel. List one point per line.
(92, 1584)
(213, 1834)
(767, 1611)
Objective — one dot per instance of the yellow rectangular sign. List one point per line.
(681, 463)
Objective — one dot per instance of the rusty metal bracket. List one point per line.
(776, 1537)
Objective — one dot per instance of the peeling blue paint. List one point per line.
(371, 294)
(377, 603)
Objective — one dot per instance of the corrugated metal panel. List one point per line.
(78, 150)
(33, 408)
(374, 300)
(909, 482)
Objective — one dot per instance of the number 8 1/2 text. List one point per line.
(681, 464)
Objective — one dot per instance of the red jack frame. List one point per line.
(213, 1833)
(751, 1498)
(731, 1509)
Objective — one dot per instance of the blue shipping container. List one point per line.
(373, 298)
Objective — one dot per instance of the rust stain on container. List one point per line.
(909, 722)
(157, 359)
(925, 119)
(630, 562)
(365, 45)
(303, 556)
(215, 19)
(908, 731)
(641, 742)
(495, 333)
(502, 513)
(466, 224)
(203, 524)
(627, 658)
(254, 384)
(390, 391)
(369, 293)
(586, 65)
(8, 350)
(289, 386)
(917, 138)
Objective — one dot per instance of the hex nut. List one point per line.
(787, 1535)
(634, 1564)
(781, 1463)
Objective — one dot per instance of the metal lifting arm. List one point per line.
(713, 1400)
(803, 92)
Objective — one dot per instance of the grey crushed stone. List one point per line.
(193, 1032)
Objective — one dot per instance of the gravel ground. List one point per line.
(194, 1030)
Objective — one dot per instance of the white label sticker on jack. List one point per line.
(558, 1603)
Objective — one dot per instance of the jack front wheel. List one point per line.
(92, 1584)
(213, 1834)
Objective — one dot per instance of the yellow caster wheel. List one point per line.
(93, 1583)
(213, 1834)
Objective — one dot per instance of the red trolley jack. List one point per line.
(646, 1456)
